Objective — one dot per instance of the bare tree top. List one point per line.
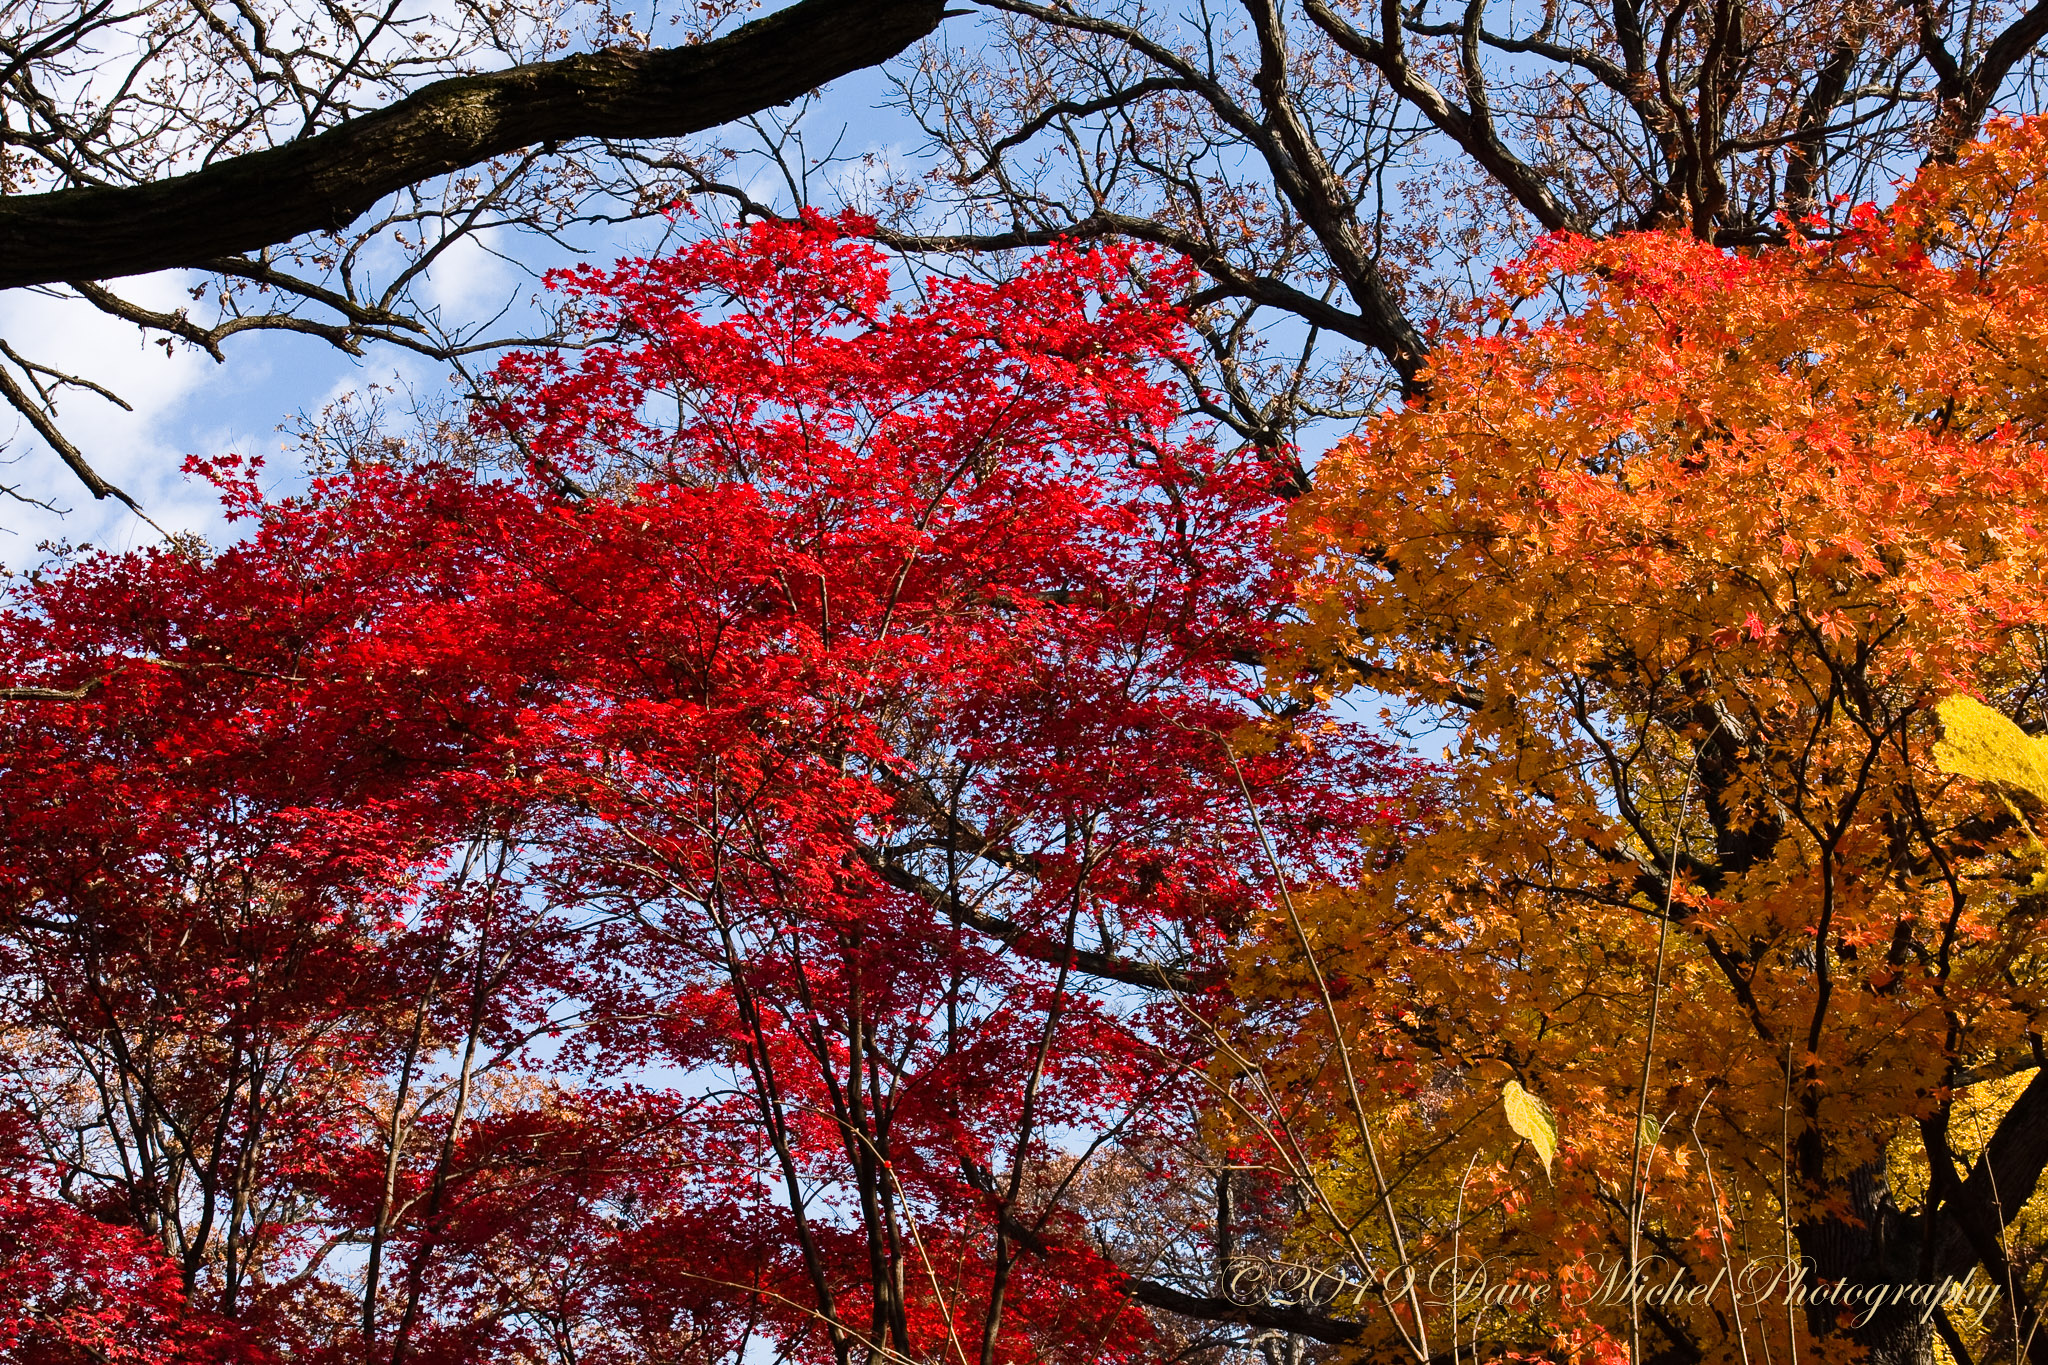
(1347, 173)
(250, 138)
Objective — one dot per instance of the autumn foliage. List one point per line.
(844, 856)
(697, 894)
(1684, 566)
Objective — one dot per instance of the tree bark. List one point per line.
(1301, 1321)
(324, 182)
(1958, 1233)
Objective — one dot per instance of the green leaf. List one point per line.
(1532, 1121)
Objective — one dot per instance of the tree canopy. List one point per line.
(830, 820)
(753, 878)
(1726, 578)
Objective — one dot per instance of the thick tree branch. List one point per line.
(48, 693)
(325, 182)
(1038, 947)
(1981, 1207)
(1231, 281)
(1301, 1321)
(1803, 171)
(1966, 95)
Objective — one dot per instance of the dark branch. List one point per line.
(38, 417)
(2003, 1179)
(1038, 947)
(1300, 1321)
(1231, 281)
(1966, 95)
(1471, 128)
(325, 182)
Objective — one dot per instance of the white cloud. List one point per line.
(467, 280)
(128, 449)
(182, 403)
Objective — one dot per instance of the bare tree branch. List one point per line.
(327, 181)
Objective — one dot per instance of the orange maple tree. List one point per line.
(1728, 901)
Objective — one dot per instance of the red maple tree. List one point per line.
(742, 880)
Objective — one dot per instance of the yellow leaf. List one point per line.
(1979, 743)
(1532, 1121)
